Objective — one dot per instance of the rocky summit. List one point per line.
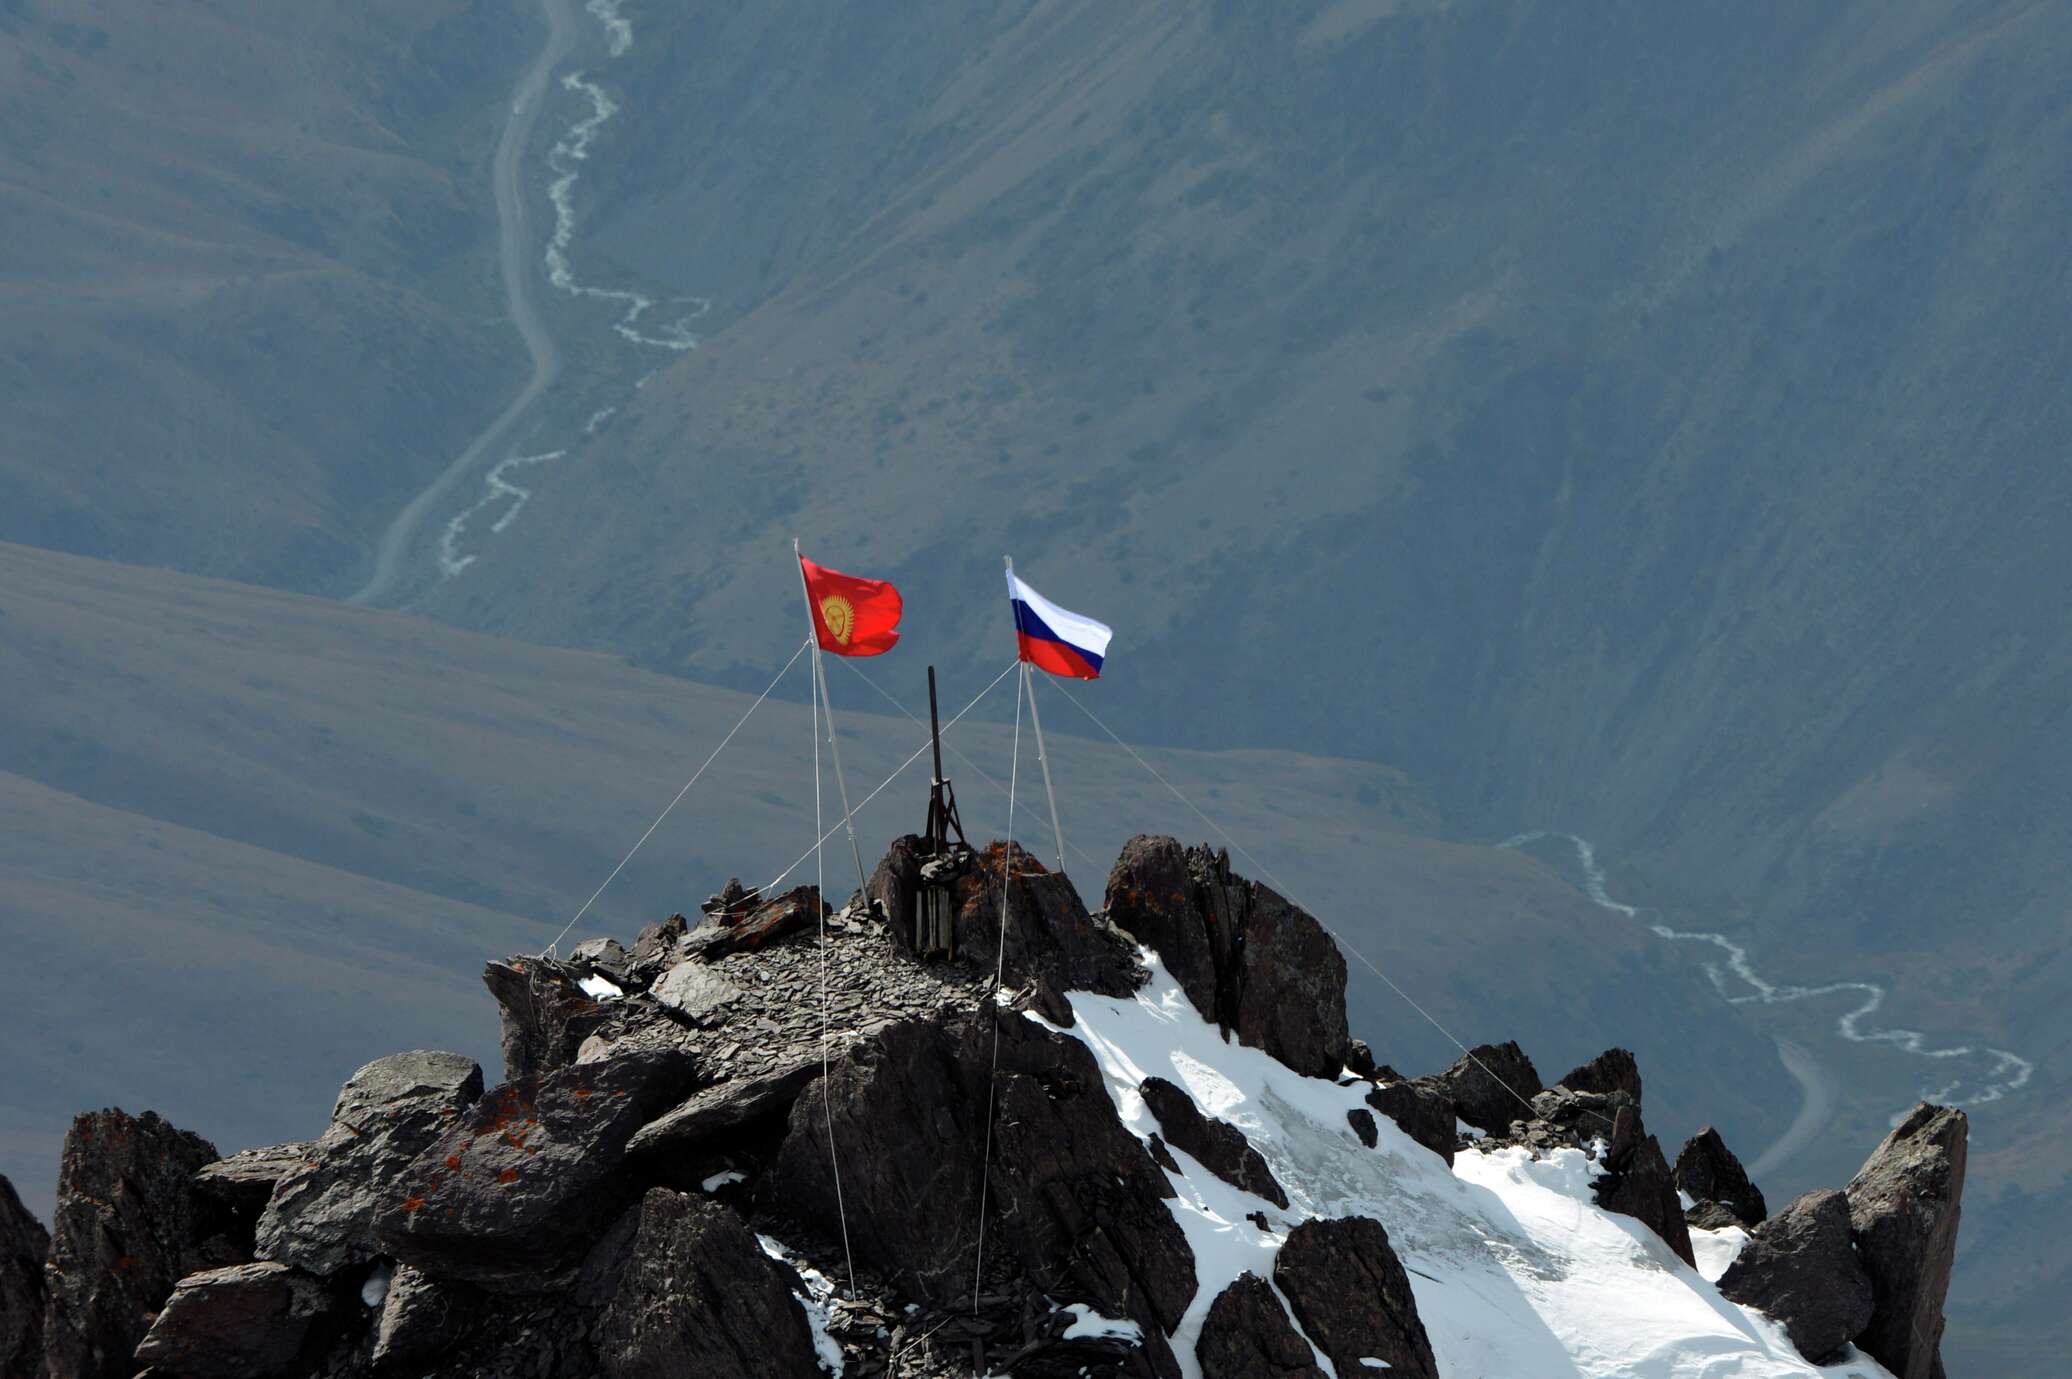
(790, 1140)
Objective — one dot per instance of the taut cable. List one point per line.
(673, 803)
(897, 771)
(1336, 937)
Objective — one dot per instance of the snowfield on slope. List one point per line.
(1518, 1273)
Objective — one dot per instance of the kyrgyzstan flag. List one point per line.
(851, 616)
(1056, 639)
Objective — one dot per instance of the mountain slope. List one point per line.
(1640, 414)
(246, 286)
(1643, 419)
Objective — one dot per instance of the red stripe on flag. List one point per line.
(1055, 657)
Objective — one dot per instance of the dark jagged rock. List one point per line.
(1420, 1111)
(1250, 960)
(545, 1014)
(320, 1217)
(1712, 1216)
(542, 1234)
(1220, 1146)
(1707, 1171)
(246, 1180)
(745, 925)
(1077, 1201)
(1614, 1070)
(1046, 1000)
(24, 1245)
(732, 902)
(1291, 996)
(248, 1321)
(510, 1195)
(1050, 936)
(1491, 1086)
(1081, 1205)
(1352, 1297)
(603, 957)
(726, 1106)
(893, 886)
(1903, 1210)
(1247, 1335)
(1637, 1183)
(697, 1295)
(129, 1226)
(420, 1317)
(1563, 1119)
(654, 950)
(1153, 893)
(1800, 1268)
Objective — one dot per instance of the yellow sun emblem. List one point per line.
(839, 617)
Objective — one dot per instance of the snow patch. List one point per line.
(720, 1180)
(1088, 1323)
(816, 1299)
(600, 989)
(1717, 1250)
(374, 1292)
(1515, 1268)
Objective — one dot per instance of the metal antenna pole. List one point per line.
(934, 726)
(938, 832)
(828, 708)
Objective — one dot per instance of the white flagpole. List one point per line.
(827, 708)
(1036, 719)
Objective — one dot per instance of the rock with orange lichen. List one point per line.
(320, 1215)
(751, 926)
(544, 1012)
(1050, 935)
(512, 1192)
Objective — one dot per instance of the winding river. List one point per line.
(1976, 1074)
(514, 257)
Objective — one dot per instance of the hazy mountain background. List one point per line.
(1644, 422)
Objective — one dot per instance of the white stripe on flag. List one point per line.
(1076, 629)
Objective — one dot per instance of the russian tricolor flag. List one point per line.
(1056, 639)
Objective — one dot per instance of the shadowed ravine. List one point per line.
(514, 259)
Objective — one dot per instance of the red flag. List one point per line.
(851, 616)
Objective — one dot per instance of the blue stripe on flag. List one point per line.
(1026, 622)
